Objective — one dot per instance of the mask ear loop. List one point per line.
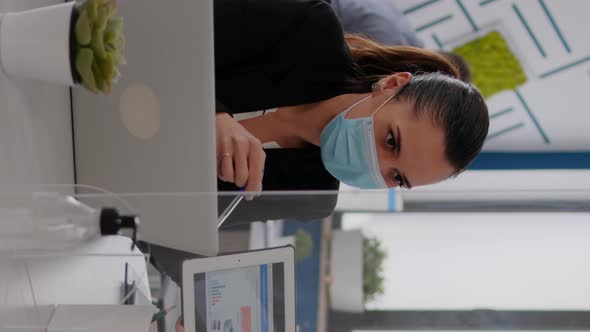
(367, 97)
(385, 102)
(355, 105)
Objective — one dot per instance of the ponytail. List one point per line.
(375, 60)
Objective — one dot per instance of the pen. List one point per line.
(229, 209)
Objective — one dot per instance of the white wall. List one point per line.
(532, 261)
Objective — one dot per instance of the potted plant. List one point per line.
(65, 44)
(373, 257)
(356, 267)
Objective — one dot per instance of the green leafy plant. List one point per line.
(99, 46)
(303, 244)
(373, 257)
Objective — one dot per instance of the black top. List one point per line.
(273, 53)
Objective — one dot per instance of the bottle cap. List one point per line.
(111, 223)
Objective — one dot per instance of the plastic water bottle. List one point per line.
(54, 222)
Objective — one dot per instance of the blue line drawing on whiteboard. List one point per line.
(467, 15)
(548, 39)
(502, 112)
(435, 22)
(437, 41)
(555, 27)
(532, 116)
(505, 131)
(564, 67)
(419, 6)
(528, 29)
(486, 2)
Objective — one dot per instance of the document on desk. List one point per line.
(101, 318)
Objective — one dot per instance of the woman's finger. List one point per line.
(256, 167)
(241, 152)
(226, 161)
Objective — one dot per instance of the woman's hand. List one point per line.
(240, 157)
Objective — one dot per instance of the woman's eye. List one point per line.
(390, 140)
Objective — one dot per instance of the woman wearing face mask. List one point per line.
(327, 108)
(331, 108)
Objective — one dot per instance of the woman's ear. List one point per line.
(395, 81)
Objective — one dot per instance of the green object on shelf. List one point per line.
(303, 244)
(495, 68)
(100, 45)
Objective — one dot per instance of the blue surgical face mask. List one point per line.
(349, 151)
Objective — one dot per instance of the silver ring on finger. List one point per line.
(223, 155)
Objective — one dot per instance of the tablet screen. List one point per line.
(245, 299)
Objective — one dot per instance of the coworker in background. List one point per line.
(346, 109)
(379, 20)
(384, 22)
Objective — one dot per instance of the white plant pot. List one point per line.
(346, 269)
(35, 44)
